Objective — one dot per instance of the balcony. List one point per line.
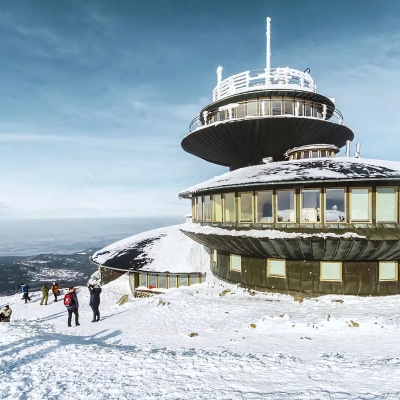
(274, 78)
(275, 107)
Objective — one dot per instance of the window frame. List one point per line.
(214, 208)
(231, 263)
(318, 208)
(396, 264)
(224, 218)
(351, 205)
(256, 212)
(344, 204)
(240, 208)
(271, 275)
(321, 267)
(396, 204)
(294, 206)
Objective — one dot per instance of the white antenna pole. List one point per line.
(268, 66)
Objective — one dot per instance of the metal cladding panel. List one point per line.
(300, 248)
(247, 142)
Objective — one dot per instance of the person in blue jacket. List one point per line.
(94, 302)
(25, 292)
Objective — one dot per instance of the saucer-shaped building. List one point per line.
(290, 216)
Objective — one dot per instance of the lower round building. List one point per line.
(313, 226)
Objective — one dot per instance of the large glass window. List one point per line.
(388, 271)
(310, 205)
(264, 207)
(173, 281)
(360, 209)
(229, 207)
(207, 208)
(288, 107)
(194, 209)
(217, 208)
(199, 202)
(286, 206)
(308, 110)
(276, 268)
(236, 263)
(276, 107)
(183, 280)
(335, 205)
(152, 281)
(241, 111)
(386, 209)
(162, 281)
(300, 107)
(246, 207)
(143, 280)
(265, 107)
(331, 271)
(252, 109)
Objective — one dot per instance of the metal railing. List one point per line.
(267, 108)
(275, 78)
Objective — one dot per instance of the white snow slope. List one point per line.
(207, 341)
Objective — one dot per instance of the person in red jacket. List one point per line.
(72, 304)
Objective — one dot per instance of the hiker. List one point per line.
(5, 314)
(55, 289)
(25, 292)
(72, 304)
(94, 302)
(45, 294)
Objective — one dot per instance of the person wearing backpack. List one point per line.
(94, 302)
(45, 294)
(55, 289)
(72, 304)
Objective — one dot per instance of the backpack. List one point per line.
(68, 300)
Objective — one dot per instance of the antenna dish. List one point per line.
(307, 71)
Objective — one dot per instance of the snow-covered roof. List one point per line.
(318, 169)
(160, 250)
(265, 234)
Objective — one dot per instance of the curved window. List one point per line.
(310, 205)
(229, 207)
(335, 205)
(246, 207)
(199, 216)
(207, 208)
(386, 204)
(360, 204)
(265, 211)
(286, 206)
(217, 208)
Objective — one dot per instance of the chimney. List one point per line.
(348, 148)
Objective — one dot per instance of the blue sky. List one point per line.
(96, 96)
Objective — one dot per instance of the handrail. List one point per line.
(275, 78)
(267, 108)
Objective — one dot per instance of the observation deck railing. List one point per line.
(275, 78)
(267, 108)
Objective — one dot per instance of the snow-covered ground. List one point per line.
(207, 341)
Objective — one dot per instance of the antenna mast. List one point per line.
(268, 66)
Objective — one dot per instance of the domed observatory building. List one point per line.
(290, 216)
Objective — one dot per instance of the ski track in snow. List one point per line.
(142, 350)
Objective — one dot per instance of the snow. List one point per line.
(321, 169)
(263, 234)
(184, 255)
(208, 341)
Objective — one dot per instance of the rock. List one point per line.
(192, 334)
(253, 326)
